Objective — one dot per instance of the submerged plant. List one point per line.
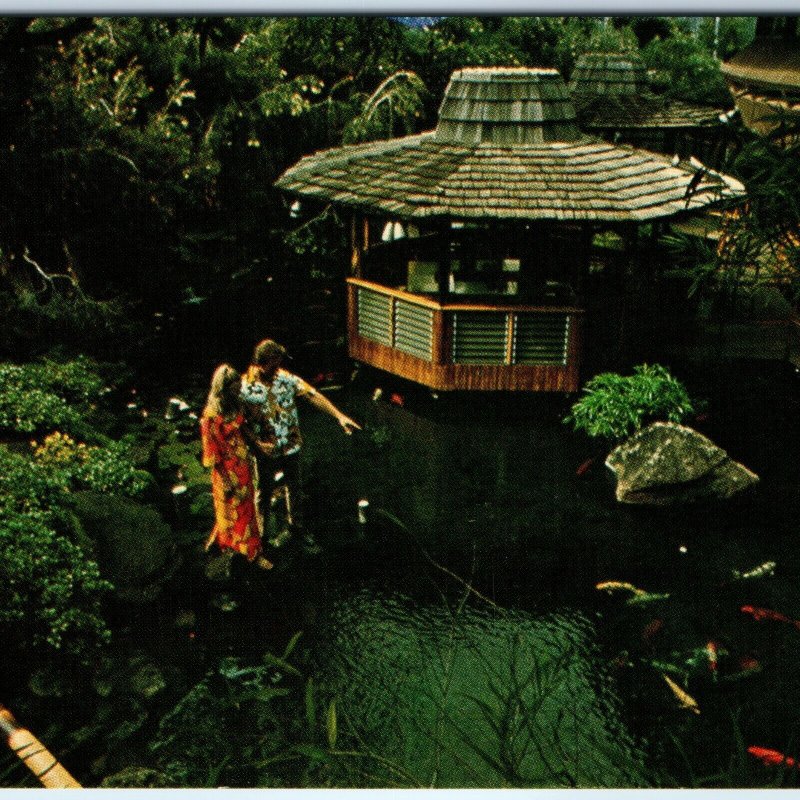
(615, 406)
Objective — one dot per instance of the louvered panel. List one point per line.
(541, 339)
(374, 316)
(479, 337)
(413, 330)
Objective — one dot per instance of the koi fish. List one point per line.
(318, 378)
(652, 628)
(702, 417)
(767, 569)
(772, 758)
(377, 394)
(397, 399)
(585, 467)
(749, 664)
(761, 614)
(619, 586)
(646, 597)
(685, 700)
(712, 651)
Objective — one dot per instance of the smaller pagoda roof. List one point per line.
(506, 147)
(611, 91)
(770, 65)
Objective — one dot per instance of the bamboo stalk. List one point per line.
(36, 757)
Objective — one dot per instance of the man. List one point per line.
(268, 392)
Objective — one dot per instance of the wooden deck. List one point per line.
(464, 346)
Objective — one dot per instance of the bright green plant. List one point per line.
(683, 68)
(615, 406)
(52, 592)
(26, 486)
(47, 395)
(108, 468)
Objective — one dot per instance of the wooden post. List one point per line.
(36, 757)
(443, 261)
(355, 247)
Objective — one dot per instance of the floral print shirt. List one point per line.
(271, 410)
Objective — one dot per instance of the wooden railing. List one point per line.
(464, 345)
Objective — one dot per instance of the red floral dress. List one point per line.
(225, 451)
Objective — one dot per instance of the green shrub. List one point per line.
(108, 468)
(45, 396)
(682, 68)
(27, 486)
(52, 591)
(615, 406)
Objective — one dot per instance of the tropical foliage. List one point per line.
(614, 406)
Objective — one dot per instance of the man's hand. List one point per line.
(348, 425)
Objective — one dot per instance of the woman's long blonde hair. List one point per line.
(215, 404)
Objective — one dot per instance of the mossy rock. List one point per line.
(145, 678)
(669, 464)
(135, 547)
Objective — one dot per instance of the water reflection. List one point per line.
(449, 696)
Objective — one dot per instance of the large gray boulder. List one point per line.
(668, 464)
(135, 547)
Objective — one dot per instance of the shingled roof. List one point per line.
(764, 79)
(506, 147)
(610, 91)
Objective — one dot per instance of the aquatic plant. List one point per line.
(614, 406)
(231, 729)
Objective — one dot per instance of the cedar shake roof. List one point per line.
(611, 91)
(769, 65)
(764, 79)
(506, 147)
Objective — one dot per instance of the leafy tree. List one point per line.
(685, 69)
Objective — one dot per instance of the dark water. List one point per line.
(460, 629)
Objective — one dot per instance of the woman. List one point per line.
(225, 451)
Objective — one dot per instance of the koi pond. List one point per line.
(452, 631)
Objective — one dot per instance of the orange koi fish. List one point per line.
(685, 700)
(397, 399)
(652, 628)
(761, 614)
(772, 758)
(749, 664)
(712, 650)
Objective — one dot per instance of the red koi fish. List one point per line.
(749, 664)
(712, 650)
(651, 629)
(761, 614)
(318, 378)
(397, 399)
(772, 758)
(585, 467)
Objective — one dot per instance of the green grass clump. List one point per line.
(615, 406)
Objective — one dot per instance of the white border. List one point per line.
(396, 7)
